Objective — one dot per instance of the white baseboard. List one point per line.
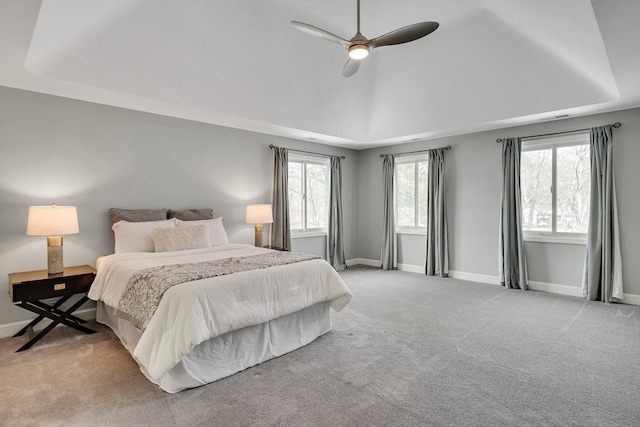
(553, 288)
(473, 277)
(9, 329)
(377, 263)
(410, 268)
(573, 291)
(495, 280)
(631, 299)
(364, 261)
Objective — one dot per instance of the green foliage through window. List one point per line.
(555, 184)
(411, 193)
(308, 194)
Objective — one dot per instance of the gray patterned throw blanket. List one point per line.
(146, 287)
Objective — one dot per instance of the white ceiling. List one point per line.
(241, 64)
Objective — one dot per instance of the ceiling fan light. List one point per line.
(358, 51)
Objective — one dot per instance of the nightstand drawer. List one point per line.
(37, 285)
(52, 287)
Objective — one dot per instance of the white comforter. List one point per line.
(193, 312)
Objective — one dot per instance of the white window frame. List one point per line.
(419, 158)
(306, 159)
(553, 143)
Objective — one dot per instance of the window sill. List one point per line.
(413, 231)
(305, 234)
(556, 239)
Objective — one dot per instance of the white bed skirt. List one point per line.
(233, 352)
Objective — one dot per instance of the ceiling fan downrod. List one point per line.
(358, 49)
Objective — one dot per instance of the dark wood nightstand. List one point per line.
(29, 288)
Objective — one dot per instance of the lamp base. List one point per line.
(54, 255)
(258, 237)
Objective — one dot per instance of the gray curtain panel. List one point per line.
(335, 244)
(437, 243)
(388, 256)
(281, 228)
(511, 257)
(602, 278)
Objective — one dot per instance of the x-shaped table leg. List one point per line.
(53, 308)
(56, 315)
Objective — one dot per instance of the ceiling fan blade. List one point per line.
(350, 67)
(404, 34)
(318, 32)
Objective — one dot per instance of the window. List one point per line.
(411, 193)
(555, 183)
(309, 180)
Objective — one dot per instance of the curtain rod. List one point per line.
(615, 125)
(447, 148)
(308, 152)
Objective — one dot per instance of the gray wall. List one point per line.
(473, 191)
(96, 157)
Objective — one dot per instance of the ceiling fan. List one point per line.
(359, 46)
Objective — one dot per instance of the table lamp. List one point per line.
(259, 214)
(53, 221)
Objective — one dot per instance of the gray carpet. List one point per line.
(409, 350)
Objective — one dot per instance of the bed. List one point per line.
(198, 314)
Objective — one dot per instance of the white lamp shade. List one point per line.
(259, 214)
(52, 220)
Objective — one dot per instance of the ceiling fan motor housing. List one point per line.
(358, 51)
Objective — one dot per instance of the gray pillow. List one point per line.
(191, 214)
(137, 215)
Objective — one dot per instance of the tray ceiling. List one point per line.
(241, 64)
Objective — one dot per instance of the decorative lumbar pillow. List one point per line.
(191, 214)
(136, 236)
(217, 234)
(137, 215)
(181, 238)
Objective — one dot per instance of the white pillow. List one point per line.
(181, 238)
(217, 235)
(136, 236)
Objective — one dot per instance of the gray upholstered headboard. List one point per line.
(137, 215)
(142, 215)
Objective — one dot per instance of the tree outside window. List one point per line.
(411, 192)
(308, 193)
(555, 186)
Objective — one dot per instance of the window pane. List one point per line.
(535, 183)
(573, 195)
(317, 195)
(422, 193)
(295, 195)
(406, 194)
